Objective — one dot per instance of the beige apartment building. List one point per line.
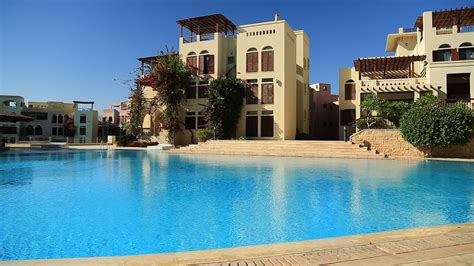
(270, 56)
(323, 112)
(435, 57)
(50, 121)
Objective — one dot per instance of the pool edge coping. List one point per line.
(256, 251)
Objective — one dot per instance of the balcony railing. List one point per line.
(189, 39)
(206, 37)
(444, 31)
(407, 30)
(393, 82)
(469, 28)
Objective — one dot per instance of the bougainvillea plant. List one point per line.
(222, 112)
(169, 76)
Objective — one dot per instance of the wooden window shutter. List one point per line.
(353, 91)
(201, 64)
(210, 64)
(264, 61)
(270, 93)
(270, 61)
(249, 62)
(255, 62)
(454, 54)
(264, 93)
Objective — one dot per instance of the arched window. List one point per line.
(110, 119)
(206, 62)
(30, 130)
(54, 119)
(267, 58)
(60, 119)
(38, 130)
(443, 53)
(252, 60)
(191, 60)
(466, 51)
(350, 90)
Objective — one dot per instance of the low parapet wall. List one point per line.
(392, 143)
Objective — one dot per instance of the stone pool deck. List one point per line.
(440, 245)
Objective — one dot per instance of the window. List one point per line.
(60, 119)
(82, 131)
(251, 92)
(201, 123)
(54, 119)
(347, 116)
(251, 124)
(267, 59)
(267, 93)
(206, 63)
(82, 119)
(55, 131)
(60, 131)
(191, 60)
(466, 51)
(30, 130)
(231, 60)
(38, 130)
(349, 90)
(10, 103)
(191, 91)
(8, 129)
(443, 53)
(266, 124)
(252, 60)
(110, 119)
(203, 88)
(190, 120)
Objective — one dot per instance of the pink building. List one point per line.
(324, 112)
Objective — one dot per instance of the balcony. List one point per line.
(443, 31)
(408, 30)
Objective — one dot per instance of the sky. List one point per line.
(52, 50)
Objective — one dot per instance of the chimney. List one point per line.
(277, 17)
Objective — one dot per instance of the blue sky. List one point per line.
(78, 49)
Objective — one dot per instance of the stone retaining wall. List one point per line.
(391, 143)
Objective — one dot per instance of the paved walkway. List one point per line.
(441, 245)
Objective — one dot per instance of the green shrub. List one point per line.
(204, 134)
(430, 126)
(242, 138)
(125, 140)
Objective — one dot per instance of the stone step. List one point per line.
(288, 150)
(320, 149)
(354, 156)
(282, 146)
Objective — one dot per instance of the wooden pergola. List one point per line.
(449, 18)
(207, 25)
(388, 67)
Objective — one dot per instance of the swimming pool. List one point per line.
(104, 203)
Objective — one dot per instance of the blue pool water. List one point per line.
(91, 203)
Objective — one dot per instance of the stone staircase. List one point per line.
(293, 148)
